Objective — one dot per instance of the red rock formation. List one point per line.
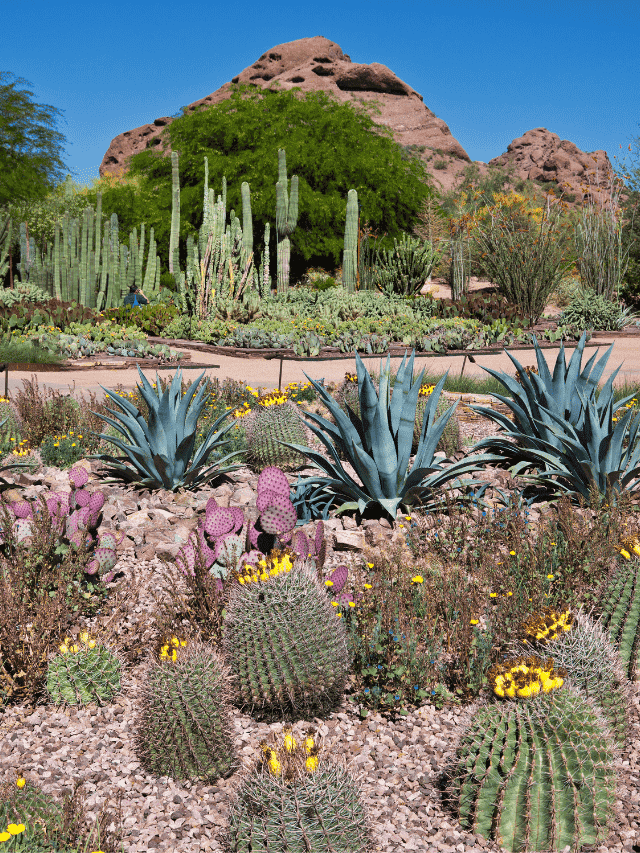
(316, 64)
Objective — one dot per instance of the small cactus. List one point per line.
(184, 729)
(83, 672)
(294, 792)
(273, 421)
(535, 767)
(282, 641)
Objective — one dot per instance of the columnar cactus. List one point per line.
(286, 219)
(84, 671)
(184, 729)
(350, 254)
(283, 642)
(275, 420)
(174, 237)
(582, 648)
(294, 792)
(535, 768)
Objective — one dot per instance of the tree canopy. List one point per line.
(332, 147)
(30, 149)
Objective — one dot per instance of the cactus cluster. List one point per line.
(535, 768)
(296, 798)
(582, 648)
(76, 516)
(84, 671)
(226, 543)
(184, 726)
(274, 420)
(284, 645)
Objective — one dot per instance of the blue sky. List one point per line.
(490, 69)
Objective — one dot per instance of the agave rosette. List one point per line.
(160, 451)
(566, 434)
(378, 444)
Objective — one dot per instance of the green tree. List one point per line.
(30, 149)
(332, 147)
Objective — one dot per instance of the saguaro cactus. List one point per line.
(174, 238)
(350, 255)
(286, 219)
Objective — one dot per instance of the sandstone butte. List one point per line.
(317, 64)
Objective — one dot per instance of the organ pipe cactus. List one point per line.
(350, 254)
(286, 219)
(535, 769)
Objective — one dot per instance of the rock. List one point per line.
(315, 64)
(349, 540)
(542, 156)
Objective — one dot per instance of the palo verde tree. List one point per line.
(332, 147)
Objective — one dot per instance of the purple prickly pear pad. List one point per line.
(78, 477)
(275, 480)
(219, 522)
(338, 578)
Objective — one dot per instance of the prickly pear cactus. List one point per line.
(534, 769)
(294, 794)
(184, 729)
(283, 642)
(582, 647)
(274, 420)
(83, 672)
(619, 609)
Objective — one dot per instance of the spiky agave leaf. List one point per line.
(160, 450)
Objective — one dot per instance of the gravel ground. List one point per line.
(397, 763)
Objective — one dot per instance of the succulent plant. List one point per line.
(184, 729)
(450, 440)
(160, 452)
(84, 671)
(563, 430)
(41, 815)
(618, 604)
(378, 444)
(274, 420)
(535, 773)
(283, 643)
(581, 647)
(295, 796)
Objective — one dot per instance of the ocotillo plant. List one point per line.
(286, 219)
(350, 255)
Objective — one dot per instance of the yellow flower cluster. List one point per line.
(351, 377)
(170, 650)
(67, 646)
(425, 390)
(278, 563)
(632, 404)
(631, 544)
(11, 830)
(71, 435)
(525, 677)
(19, 450)
(273, 398)
(546, 625)
(286, 761)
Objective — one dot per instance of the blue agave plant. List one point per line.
(564, 432)
(160, 452)
(378, 445)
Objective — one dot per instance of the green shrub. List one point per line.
(151, 319)
(589, 310)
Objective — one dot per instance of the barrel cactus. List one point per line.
(274, 420)
(184, 729)
(582, 647)
(295, 798)
(535, 768)
(282, 640)
(619, 609)
(84, 671)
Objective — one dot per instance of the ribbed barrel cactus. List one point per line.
(84, 671)
(535, 768)
(184, 728)
(619, 609)
(282, 640)
(274, 420)
(582, 647)
(295, 798)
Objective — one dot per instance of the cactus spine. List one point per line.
(286, 219)
(282, 640)
(295, 793)
(350, 254)
(184, 730)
